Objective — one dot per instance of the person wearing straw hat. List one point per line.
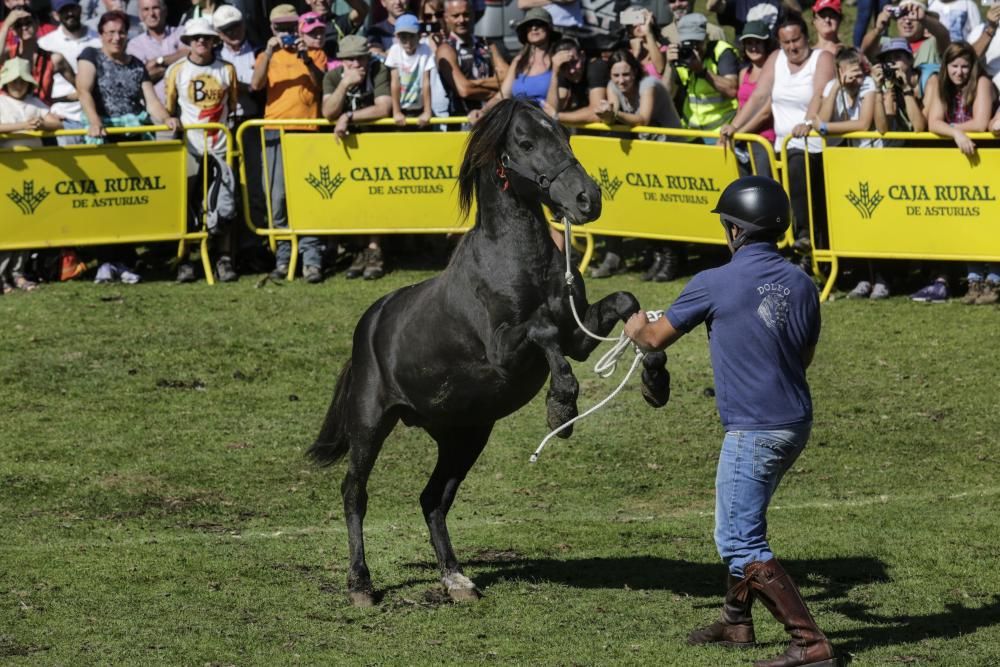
(530, 71)
(20, 111)
(564, 13)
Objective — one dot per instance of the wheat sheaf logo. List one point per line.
(608, 186)
(27, 199)
(865, 202)
(325, 185)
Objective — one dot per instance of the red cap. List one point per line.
(827, 4)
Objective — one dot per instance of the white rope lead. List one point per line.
(608, 362)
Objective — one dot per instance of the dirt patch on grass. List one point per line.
(10, 648)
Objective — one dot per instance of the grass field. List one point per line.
(157, 509)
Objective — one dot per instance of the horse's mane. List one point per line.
(482, 149)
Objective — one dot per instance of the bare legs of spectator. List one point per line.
(310, 247)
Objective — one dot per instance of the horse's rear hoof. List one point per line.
(460, 588)
(362, 598)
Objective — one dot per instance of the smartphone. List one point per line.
(632, 17)
(430, 27)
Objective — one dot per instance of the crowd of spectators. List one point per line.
(94, 64)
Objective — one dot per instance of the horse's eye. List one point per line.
(527, 146)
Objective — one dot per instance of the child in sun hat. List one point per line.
(410, 63)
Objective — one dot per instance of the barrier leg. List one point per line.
(294, 260)
(828, 287)
(588, 253)
(206, 262)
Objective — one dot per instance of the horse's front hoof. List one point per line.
(655, 379)
(362, 598)
(460, 588)
(560, 413)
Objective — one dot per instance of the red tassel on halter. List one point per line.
(502, 173)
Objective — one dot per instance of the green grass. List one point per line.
(157, 509)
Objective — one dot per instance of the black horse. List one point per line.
(457, 352)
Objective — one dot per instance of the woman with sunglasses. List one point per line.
(530, 72)
(756, 44)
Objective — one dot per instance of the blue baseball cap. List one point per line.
(408, 23)
(58, 5)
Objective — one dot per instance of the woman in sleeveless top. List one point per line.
(531, 70)
(643, 44)
(790, 88)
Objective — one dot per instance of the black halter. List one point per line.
(543, 180)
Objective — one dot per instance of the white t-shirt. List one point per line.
(20, 111)
(958, 16)
(70, 48)
(411, 73)
(841, 112)
(790, 100)
(202, 94)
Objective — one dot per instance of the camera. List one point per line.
(633, 16)
(288, 40)
(686, 51)
(430, 27)
(897, 12)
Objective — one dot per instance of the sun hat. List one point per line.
(820, 5)
(692, 28)
(352, 46)
(14, 69)
(536, 15)
(310, 21)
(226, 16)
(756, 30)
(197, 27)
(895, 44)
(407, 23)
(283, 14)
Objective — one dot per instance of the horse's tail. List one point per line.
(332, 442)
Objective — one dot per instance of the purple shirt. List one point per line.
(146, 48)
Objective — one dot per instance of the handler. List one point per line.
(763, 320)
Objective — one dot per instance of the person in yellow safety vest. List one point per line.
(706, 74)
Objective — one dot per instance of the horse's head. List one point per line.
(530, 150)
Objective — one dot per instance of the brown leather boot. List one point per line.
(734, 629)
(809, 646)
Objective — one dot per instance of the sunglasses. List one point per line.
(202, 38)
(285, 27)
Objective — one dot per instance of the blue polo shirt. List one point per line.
(761, 313)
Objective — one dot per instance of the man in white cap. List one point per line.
(201, 88)
(237, 50)
(160, 46)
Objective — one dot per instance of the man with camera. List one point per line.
(897, 91)
(292, 75)
(706, 71)
(913, 23)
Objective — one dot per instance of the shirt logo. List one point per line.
(773, 308)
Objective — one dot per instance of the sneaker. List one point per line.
(972, 295)
(224, 269)
(357, 267)
(861, 291)
(936, 292)
(127, 276)
(611, 265)
(374, 266)
(185, 273)
(879, 291)
(989, 295)
(106, 273)
(280, 272)
(312, 274)
(654, 268)
(669, 266)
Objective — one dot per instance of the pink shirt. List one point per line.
(743, 94)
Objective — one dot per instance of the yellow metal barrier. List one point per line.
(379, 183)
(907, 202)
(129, 192)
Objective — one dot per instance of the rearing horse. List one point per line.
(458, 352)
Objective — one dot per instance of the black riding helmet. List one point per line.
(755, 204)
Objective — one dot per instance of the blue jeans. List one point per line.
(751, 465)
